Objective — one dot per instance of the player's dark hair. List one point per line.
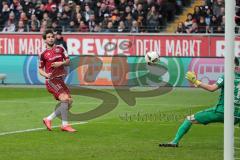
(47, 32)
(236, 61)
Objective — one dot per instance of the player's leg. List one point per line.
(65, 104)
(63, 108)
(60, 91)
(65, 97)
(182, 130)
(203, 117)
(48, 120)
(70, 103)
(53, 89)
(54, 114)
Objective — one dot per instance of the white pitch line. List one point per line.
(34, 129)
(39, 129)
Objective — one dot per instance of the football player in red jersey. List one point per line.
(51, 66)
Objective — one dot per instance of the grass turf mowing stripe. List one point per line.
(47, 102)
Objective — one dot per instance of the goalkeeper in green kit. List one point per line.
(213, 114)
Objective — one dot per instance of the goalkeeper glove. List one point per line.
(191, 76)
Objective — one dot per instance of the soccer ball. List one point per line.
(151, 57)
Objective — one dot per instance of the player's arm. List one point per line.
(66, 62)
(43, 73)
(41, 68)
(209, 87)
(192, 78)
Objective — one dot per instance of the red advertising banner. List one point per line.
(21, 44)
(118, 44)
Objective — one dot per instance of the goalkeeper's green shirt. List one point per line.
(220, 104)
(220, 83)
(237, 90)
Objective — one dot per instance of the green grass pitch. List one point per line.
(126, 133)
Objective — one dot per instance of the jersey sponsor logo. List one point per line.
(220, 80)
(54, 58)
(57, 50)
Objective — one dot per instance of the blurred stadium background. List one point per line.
(107, 41)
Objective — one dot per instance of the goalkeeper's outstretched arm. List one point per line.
(192, 78)
(209, 87)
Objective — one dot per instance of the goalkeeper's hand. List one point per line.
(191, 76)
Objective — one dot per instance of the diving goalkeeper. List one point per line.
(213, 114)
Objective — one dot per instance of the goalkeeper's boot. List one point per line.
(171, 144)
(67, 128)
(47, 123)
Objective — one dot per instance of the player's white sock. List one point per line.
(52, 116)
(64, 123)
(63, 110)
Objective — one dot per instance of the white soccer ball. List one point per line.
(151, 57)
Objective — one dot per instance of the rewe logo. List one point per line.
(220, 48)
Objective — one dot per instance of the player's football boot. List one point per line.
(168, 144)
(67, 128)
(47, 123)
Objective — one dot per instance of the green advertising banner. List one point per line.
(132, 71)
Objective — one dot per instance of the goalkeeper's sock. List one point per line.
(182, 130)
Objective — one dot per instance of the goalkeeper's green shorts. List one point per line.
(211, 115)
